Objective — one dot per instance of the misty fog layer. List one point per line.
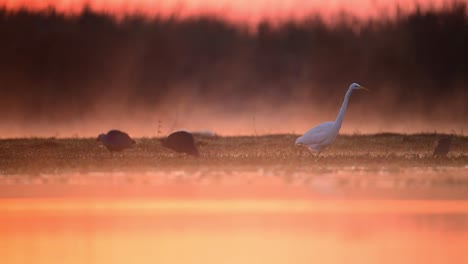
(81, 75)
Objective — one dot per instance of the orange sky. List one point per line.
(239, 10)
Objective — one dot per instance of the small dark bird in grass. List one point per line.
(443, 146)
(182, 142)
(116, 140)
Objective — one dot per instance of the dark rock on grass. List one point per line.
(116, 140)
(182, 142)
(443, 146)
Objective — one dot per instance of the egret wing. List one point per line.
(318, 134)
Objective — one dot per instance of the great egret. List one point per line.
(116, 140)
(321, 136)
(181, 141)
(443, 146)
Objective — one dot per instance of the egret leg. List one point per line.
(313, 152)
(318, 156)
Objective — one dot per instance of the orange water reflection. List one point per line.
(232, 231)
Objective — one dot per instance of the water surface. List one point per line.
(327, 216)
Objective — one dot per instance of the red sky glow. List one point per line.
(238, 11)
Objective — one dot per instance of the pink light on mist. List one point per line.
(238, 11)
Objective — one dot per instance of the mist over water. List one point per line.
(87, 73)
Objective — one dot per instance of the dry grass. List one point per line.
(373, 165)
(49, 155)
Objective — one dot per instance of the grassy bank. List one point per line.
(50, 155)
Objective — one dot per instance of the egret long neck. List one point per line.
(339, 118)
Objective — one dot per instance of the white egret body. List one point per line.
(321, 136)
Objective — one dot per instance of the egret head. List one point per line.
(356, 86)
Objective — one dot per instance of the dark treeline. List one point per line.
(50, 62)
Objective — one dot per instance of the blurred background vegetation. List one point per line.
(63, 66)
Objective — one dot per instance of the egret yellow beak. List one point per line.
(364, 88)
